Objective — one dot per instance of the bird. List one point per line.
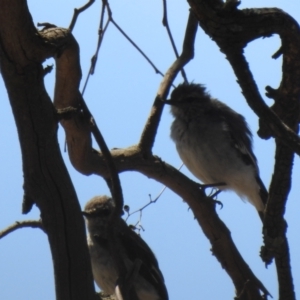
(215, 143)
(149, 282)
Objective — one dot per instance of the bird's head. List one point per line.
(187, 95)
(98, 211)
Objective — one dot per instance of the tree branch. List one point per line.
(166, 24)
(46, 180)
(274, 229)
(150, 129)
(21, 224)
(77, 12)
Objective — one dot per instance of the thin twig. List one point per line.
(78, 11)
(115, 185)
(150, 129)
(95, 56)
(21, 224)
(101, 33)
(151, 200)
(157, 71)
(147, 204)
(166, 24)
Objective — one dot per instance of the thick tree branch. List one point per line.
(46, 180)
(274, 229)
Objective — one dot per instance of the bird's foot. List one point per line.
(215, 194)
(210, 185)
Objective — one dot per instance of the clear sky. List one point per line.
(120, 96)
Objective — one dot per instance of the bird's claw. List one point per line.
(218, 202)
(215, 200)
(211, 185)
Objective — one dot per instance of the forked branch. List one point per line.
(150, 129)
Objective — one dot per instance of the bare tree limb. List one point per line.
(46, 180)
(130, 40)
(101, 33)
(275, 227)
(285, 279)
(166, 24)
(77, 12)
(21, 224)
(150, 129)
(68, 99)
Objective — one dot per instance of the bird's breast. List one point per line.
(200, 148)
(104, 271)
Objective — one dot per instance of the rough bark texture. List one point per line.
(46, 180)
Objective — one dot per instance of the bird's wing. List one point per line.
(136, 248)
(263, 191)
(236, 127)
(241, 138)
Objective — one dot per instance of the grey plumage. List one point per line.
(149, 284)
(215, 143)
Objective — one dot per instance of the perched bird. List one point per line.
(149, 283)
(215, 143)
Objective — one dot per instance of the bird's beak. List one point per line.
(84, 213)
(169, 102)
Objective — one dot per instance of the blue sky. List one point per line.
(120, 95)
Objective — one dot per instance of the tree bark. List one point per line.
(46, 180)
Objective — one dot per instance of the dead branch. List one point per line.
(21, 224)
(46, 180)
(157, 71)
(150, 129)
(77, 12)
(166, 24)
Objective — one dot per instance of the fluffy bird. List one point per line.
(215, 143)
(149, 282)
